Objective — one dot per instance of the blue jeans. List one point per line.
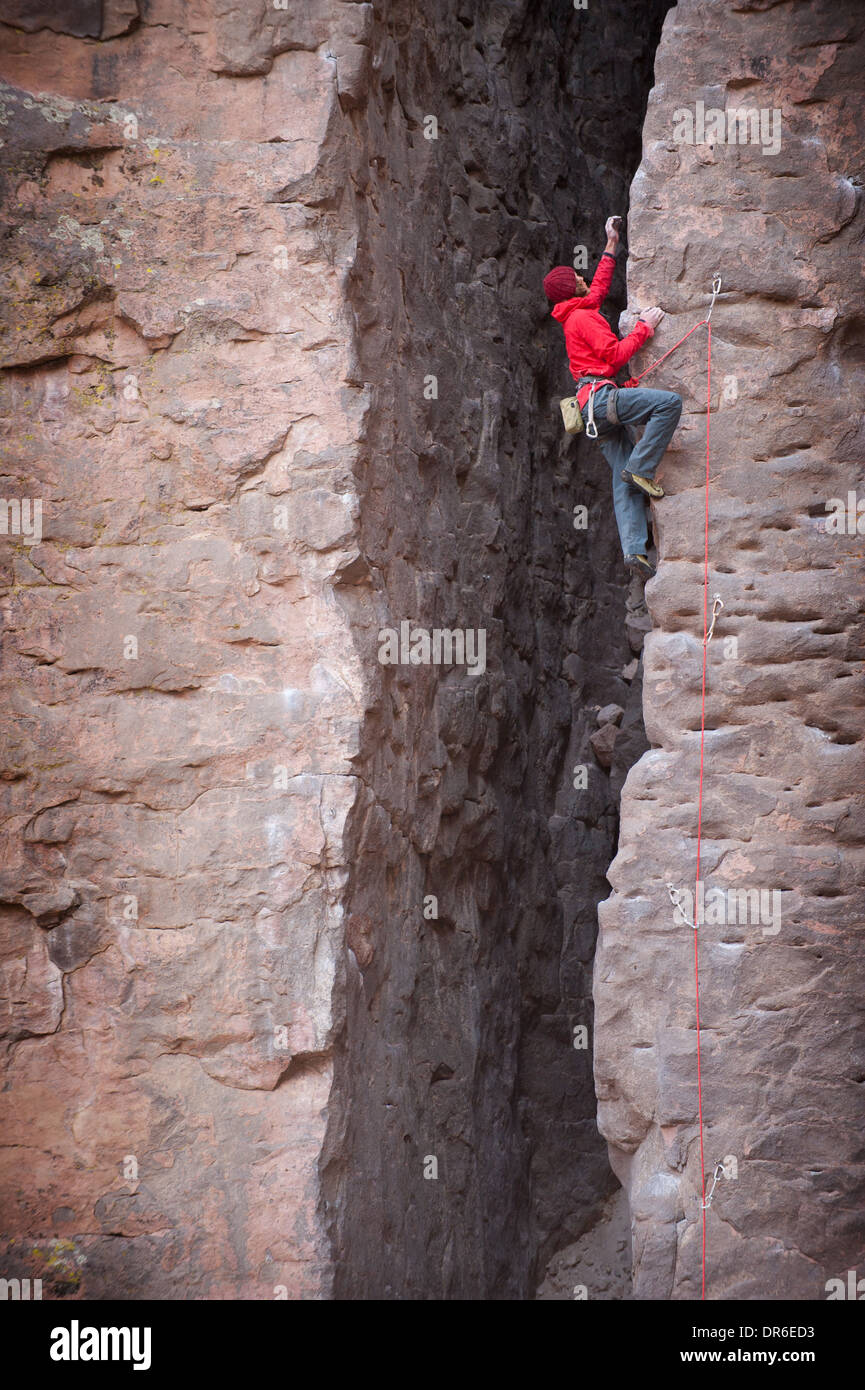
(659, 411)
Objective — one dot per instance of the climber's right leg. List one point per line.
(659, 411)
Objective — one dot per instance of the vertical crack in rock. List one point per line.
(781, 977)
(463, 1149)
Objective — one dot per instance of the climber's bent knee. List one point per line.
(671, 404)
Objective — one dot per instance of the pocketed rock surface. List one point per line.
(781, 994)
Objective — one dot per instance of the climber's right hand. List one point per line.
(652, 317)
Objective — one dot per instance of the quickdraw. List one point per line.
(717, 605)
(704, 323)
(719, 1172)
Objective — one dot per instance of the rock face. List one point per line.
(237, 1028)
(781, 987)
(184, 691)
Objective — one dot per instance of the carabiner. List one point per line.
(717, 605)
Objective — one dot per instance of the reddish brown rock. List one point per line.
(184, 689)
(235, 1026)
(782, 1057)
(603, 742)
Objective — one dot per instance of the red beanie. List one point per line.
(561, 283)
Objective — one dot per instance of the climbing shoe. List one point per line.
(646, 485)
(638, 564)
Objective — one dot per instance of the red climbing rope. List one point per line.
(700, 793)
(716, 285)
(634, 380)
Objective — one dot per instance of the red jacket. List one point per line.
(592, 346)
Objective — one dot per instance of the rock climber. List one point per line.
(595, 355)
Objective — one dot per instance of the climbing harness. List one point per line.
(573, 416)
(612, 413)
